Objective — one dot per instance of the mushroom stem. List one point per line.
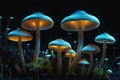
(17, 67)
(21, 52)
(70, 59)
(79, 48)
(83, 70)
(37, 46)
(103, 54)
(91, 63)
(59, 68)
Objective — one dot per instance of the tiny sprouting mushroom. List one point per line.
(105, 39)
(79, 21)
(36, 22)
(118, 66)
(83, 62)
(107, 72)
(70, 54)
(20, 35)
(48, 56)
(106, 62)
(91, 49)
(60, 46)
(96, 60)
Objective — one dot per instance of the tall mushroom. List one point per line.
(70, 54)
(60, 46)
(20, 35)
(105, 39)
(36, 22)
(90, 49)
(79, 21)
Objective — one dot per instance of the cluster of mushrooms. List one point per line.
(78, 21)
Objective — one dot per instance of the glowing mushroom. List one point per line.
(79, 21)
(105, 39)
(83, 62)
(60, 46)
(70, 54)
(36, 22)
(90, 49)
(20, 35)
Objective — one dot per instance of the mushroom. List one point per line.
(90, 49)
(79, 21)
(36, 22)
(106, 62)
(118, 64)
(104, 38)
(96, 61)
(48, 56)
(60, 46)
(70, 54)
(107, 72)
(20, 35)
(83, 62)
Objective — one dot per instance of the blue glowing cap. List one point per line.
(91, 49)
(105, 37)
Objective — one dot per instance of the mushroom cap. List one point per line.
(59, 44)
(71, 53)
(105, 37)
(19, 32)
(48, 55)
(109, 71)
(84, 61)
(118, 63)
(37, 19)
(91, 49)
(106, 59)
(81, 18)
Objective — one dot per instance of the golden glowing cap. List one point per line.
(80, 19)
(71, 53)
(19, 32)
(59, 44)
(37, 19)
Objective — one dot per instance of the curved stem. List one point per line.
(17, 67)
(59, 68)
(83, 70)
(103, 55)
(79, 48)
(21, 52)
(70, 59)
(91, 63)
(37, 46)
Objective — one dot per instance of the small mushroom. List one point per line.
(96, 61)
(36, 22)
(106, 62)
(118, 66)
(60, 46)
(105, 39)
(90, 49)
(48, 56)
(79, 21)
(70, 54)
(20, 35)
(107, 73)
(83, 62)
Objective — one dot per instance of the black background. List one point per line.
(107, 11)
